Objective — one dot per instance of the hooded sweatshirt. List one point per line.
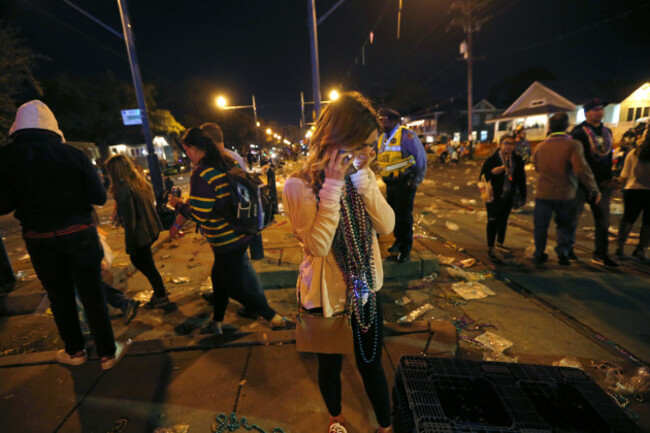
(50, 185)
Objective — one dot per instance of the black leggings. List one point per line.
(498, 212)
(142, 259)
(372, 373)
(636, 201)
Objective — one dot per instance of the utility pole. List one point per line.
(315, 68)
(303, 126)
(470, 104)
(152, 158)
(257, 127)
(471, 15)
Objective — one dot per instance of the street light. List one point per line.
(223, 104)
(334, 95)
(268, 131)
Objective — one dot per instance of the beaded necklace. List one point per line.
(352, 249)
(600, 146)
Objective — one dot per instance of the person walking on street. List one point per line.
(52, 187)
(504, 169)
(214, 131)
(403, 164)
(597, 141)
(559, 162)
(523, 145)
(336, 211)
(232, 273)
(134, 199)
(636, 198)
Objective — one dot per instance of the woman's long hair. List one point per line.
(123, 172)
(346, 122)
(213, 157)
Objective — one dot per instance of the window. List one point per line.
(646, 111)
(537, 102)
(630, 114)
(638, 113)
(483, 135)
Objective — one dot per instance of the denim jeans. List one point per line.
(114, 297)
(600, 212)
(233, 276)
(564, 212)
(63, 262)
(400, 197)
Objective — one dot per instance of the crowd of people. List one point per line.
(574, 168)
(334, 206)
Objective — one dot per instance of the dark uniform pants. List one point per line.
(400, 196)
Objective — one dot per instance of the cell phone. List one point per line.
(352, 169)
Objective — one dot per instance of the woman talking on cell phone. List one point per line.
(336, 211)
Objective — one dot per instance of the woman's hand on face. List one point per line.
(338, 165)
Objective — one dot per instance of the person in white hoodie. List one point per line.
(52, 188)
(337, 210)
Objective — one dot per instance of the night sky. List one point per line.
(245, 47)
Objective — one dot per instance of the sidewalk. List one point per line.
(174, 376)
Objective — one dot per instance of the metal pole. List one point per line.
(469, 79)
(315, 68)
(302, 115)
(257, 128)
(152, 158)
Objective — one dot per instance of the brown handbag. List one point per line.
(318, 334)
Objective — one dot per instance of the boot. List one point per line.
(623, 232)
(644, 239)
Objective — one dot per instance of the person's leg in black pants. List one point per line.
(372, 373)
(401, 198)
(220, 295)
(601, 213)
(234, 271)
(492, 222)
(61, 263)
(504, 214)
(143, 261)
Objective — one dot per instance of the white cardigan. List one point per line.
(320, 283)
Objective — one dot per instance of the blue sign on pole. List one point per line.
(131, 117)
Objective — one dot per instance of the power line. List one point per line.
(566, 35)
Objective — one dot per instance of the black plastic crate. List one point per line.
(434, 395)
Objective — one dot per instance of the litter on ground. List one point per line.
(457, 272)
(472, 290)
(494, 342)
(452, 226)
(410, 317)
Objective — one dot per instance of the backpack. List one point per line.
(252, 207)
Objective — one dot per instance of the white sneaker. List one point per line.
(62, 357)
(337, 428)
(120, 350)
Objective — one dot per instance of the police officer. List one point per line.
(402, 164)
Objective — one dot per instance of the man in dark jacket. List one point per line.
(52, 187)
(597, 141)
(505, 170)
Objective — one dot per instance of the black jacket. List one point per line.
(518, 175)
(602, 168)
(49, 184)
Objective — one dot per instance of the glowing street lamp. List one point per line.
(334, 95)
(221, 102)
(268, 131)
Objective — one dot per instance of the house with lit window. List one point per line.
(138, 152)
(539, 101)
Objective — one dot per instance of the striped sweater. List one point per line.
(209, 197)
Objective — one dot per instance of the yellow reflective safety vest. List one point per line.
(389, 154)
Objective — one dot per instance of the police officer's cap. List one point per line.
(389, 113)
